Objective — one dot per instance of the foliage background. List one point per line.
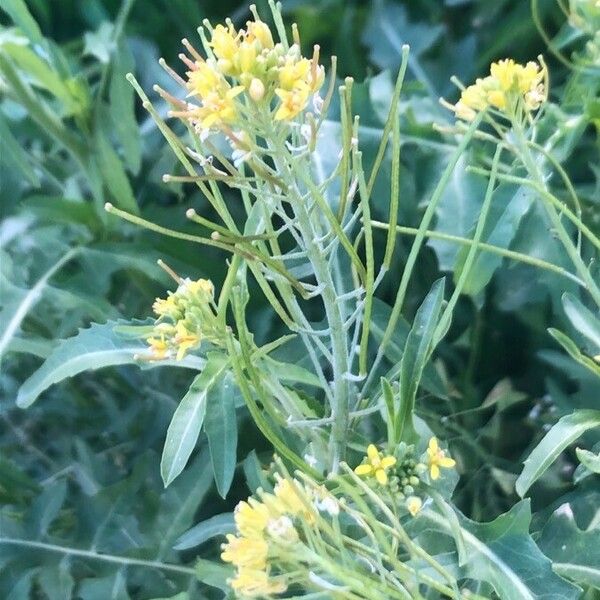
(79, 470)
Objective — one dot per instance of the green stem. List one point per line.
(416, 247)
(291, 172)
(511, 254)
(446, 317)
(111, 558)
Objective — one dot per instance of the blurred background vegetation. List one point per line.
(79, 471)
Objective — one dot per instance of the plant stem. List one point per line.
(111, 558)
(511, 254)
(288, 169)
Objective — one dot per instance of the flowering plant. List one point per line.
(354, 496)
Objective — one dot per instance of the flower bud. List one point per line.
(256, 91)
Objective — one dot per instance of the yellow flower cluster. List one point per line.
(246, 69)
(509, 87)
(261, 528)
(185, 318)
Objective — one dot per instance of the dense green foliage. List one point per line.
(514, 380)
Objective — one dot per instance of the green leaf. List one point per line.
(589, 461)
(122, 109)
(582, 320)
(416, 354)
(220, 426)
(561, 435)
(93, 348)
(19, 13)
(431, 381)
(503, 554)
(509, 206)
(213, 573)
(14, 156)
(13, 317)
(575, 554)
(187, 420)
(114, 176)
(218, 525)
(571, 347)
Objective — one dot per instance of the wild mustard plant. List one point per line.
(252, 108)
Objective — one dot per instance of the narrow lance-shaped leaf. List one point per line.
(93, 348)
(220, 426)
(582, 319)
(574, 352)
(415, 356)
(187, 420)
(564, 433)
(206, 530)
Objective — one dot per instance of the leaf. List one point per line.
(571, 347)
(187, 420)
(509, 206)
(114, 176)
(12, 322)
(503, 554)
(93, 348)
(214, 573)
(389, 29)
(218, 525)
(220, 426)
(416, 353)
(14, 156)
(431, 381)
(122, 109)
(561, 435)
(575, 554)
(19, 13)
(582, 320)
(589, 460)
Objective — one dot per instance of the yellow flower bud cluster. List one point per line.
(245, 70)
(185, 318)
(263, 527)
(510, 87)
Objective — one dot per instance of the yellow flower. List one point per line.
(165, 306)
(251, 518)
(293, 72)
(414, 504)
(292, 102)
(158, 347)
(254, 582)
(184, 339)
(377, 465)
(507, 83)
(201, 286)
(437, 458)
(257, 30)
(224, 42)
(218, 107)
(245, 552)
(203, 80)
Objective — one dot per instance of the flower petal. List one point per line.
(388, 461)
(381, 476)
(447, 462)
(372, 452)
(435, 472)
(433, 445)
(363, 469)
